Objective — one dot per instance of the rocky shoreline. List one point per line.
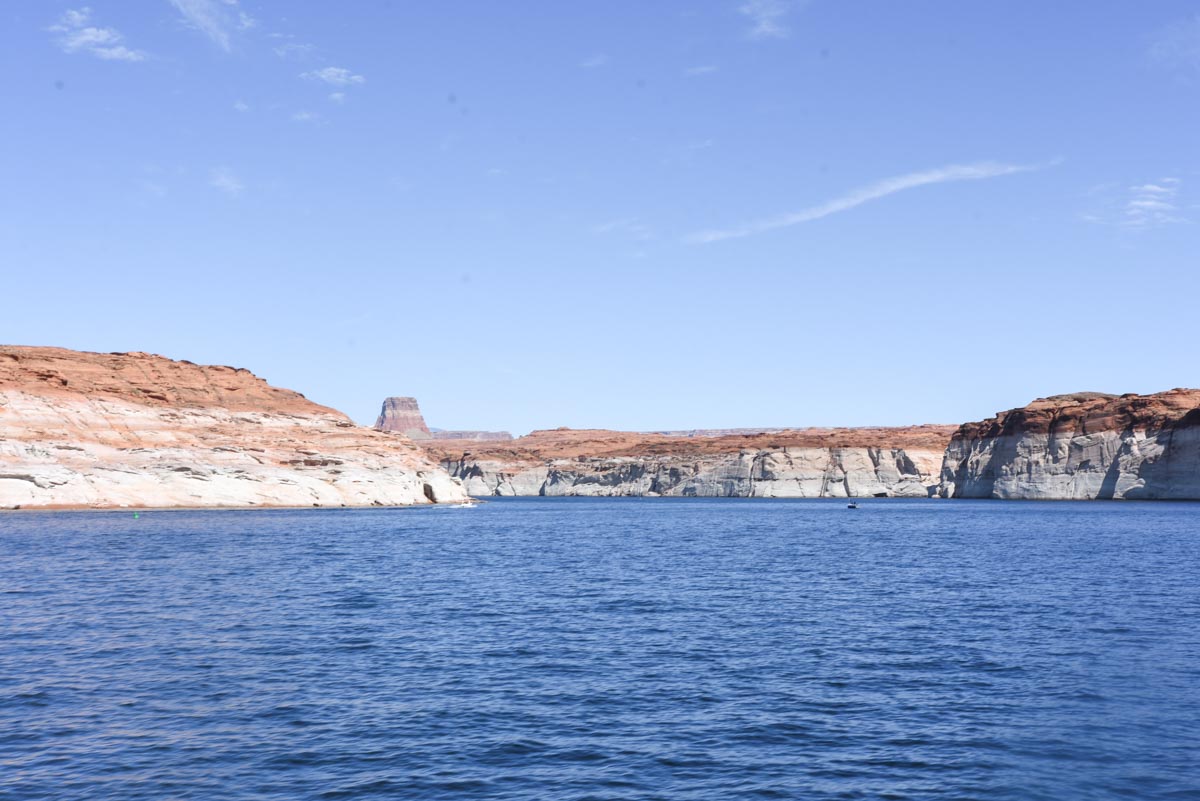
(135, 430)
(1082, 446)
(1085, 446)
(790, 464)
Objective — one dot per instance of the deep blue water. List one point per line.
(604, 649)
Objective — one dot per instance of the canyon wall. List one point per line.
(810, 463)
(1081, 446)
(137, 430)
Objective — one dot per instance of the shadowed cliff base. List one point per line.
(1082, 446)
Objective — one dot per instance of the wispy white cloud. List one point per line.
(216, 19)
(1137, 207)
(226, 180)
(153, 188)
(1152, 204)
(337, 97)
(305, 116)
(591, 62)
(703, 69)
(293, 50)
(78, 34)
(241, 106)
(1178, 45)
(768, 18)
(888, 186)
(334, 76)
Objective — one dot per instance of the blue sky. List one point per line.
(626, 215)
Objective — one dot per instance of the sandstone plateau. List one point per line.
(1082, 446)
(805, 463)
(138, 430)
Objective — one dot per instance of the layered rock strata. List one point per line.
(1081, 446)
(403, 416)
(137, 430)
(809, 463)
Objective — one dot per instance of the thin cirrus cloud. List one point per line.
(857, 197)
(1153, 204)
(334, 76)
(293, 50)
(768, 18)
(77, 34)
(1178, 45)
(224, 179)
(216, 19)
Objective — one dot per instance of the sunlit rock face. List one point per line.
(402, 415)
(133, 429)
(1081, 446)
(810, 463)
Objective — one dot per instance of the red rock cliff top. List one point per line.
(1091, 412)
(575, 443)
(147, 379)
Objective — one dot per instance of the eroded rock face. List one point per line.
(403, 416)
(1081, 446)
(133, 429)
(812, 463)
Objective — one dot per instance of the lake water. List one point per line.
(604, 649)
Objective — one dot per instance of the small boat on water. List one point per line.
(852, 505)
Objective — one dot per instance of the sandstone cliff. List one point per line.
(137, 430)
(1081, 446)
(809, 463)
(402, 415)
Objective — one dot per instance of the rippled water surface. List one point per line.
(604, 649)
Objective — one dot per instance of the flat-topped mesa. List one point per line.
(801, 463)
(470, 436)
(1083, 446)
(138, 430)
(718, 432)
(402, 415)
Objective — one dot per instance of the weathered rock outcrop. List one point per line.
(403, 416)
(810, 463)
(1081, 446)
(137, 430)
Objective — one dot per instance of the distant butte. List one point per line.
(403, 415)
